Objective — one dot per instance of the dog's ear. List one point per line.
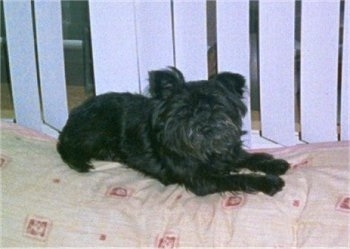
(232, 81)
(164, 83)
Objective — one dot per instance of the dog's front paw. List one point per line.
(278, 167)
(270, 185)
(266, 163)
(81, 166)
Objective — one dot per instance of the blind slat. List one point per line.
(154, 37)
(51, 62)
(190, 38)
(233, 47)
(345, 83)
(113, 40)
(276, 53)
(319, 70)
(22, 63)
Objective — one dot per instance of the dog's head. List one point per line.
(200, 118)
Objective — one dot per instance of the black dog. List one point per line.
(186, 133)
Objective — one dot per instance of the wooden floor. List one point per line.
(6, 102)
(76, 95)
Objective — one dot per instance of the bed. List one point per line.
(45, 203)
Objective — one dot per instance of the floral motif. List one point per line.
(168, 240)
(233, 201)
(37, 228)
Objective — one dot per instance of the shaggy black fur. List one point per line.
(186, 133)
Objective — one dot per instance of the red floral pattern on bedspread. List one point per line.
(343, 204)
(37, 227)
(119, 192)
(296, 203)
(168, 240)
(4, 160)
(302, 163)
(234, 201)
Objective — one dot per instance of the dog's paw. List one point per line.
(272, 166)
(278, 167)
(271, 184)
(265, 163)
(81, 167)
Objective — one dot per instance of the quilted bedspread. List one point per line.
(45, 203)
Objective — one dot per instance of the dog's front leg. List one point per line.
(250, 183)
(262, 162)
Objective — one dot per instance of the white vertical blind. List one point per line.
(276, 53)
(345, 82)
(113, 38)
(48, 21)
(190, 35)
(154, 37)
(233, 46)
(22, 63)
(319, 70)
(131, 37)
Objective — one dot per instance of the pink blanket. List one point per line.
(44, 203)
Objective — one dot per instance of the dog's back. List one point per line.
(98, 128)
